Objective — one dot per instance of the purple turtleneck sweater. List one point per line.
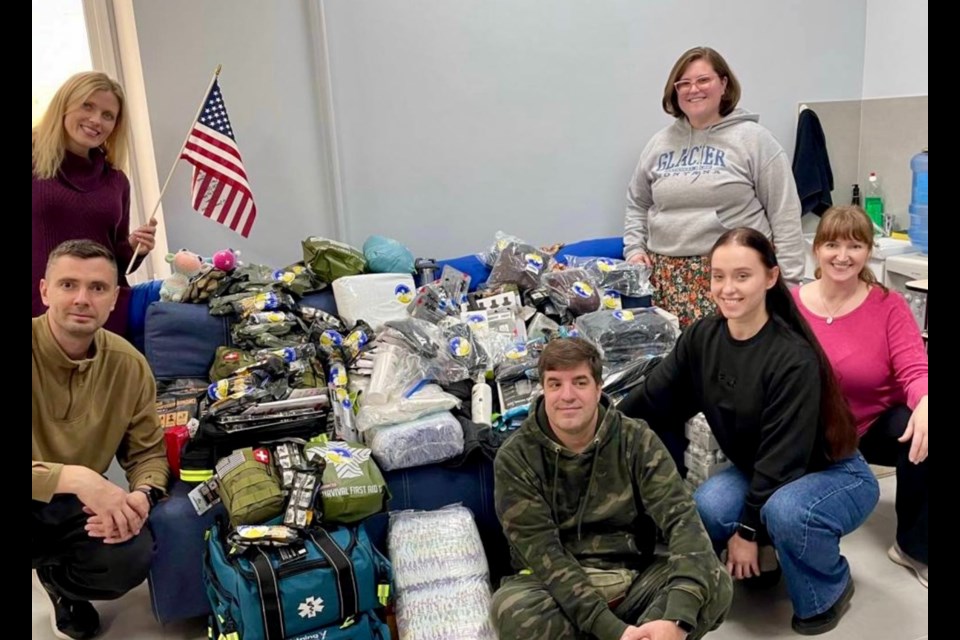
(88, 199)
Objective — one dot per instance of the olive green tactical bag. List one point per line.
(249, 486)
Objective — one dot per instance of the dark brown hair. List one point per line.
(83, 249)
(840, 433)
(563, 354)
(730, 97)
(847, 222)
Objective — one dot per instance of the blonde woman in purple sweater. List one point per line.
(874, 345)
(79, 188)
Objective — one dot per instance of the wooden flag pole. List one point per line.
(152, 219)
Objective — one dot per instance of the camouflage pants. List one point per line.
(523, 609)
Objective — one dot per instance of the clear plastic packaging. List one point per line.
(626, 335)
(441, 574)
(500, 241)
(428, 399)
(616, 275)
(431, 438)
(573, 290)
(520, 264)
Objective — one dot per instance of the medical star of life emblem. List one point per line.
(310, 607)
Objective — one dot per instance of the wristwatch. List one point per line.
(685, 626)
(153, 494)
(747, 533)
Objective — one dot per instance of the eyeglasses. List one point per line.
(702, 83)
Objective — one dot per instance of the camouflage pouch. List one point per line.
(249, 486)
(227, 361)
(298, 279)
(329, 259)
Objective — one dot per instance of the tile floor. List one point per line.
(889, 603)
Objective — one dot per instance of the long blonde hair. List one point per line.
(49, 136)
(847, 222)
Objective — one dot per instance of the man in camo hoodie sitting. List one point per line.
(580, 490)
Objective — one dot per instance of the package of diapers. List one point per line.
(441, 575)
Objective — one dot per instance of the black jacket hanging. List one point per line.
(811, 165)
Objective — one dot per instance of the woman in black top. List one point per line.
(769, 395)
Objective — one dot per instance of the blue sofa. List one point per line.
(179, 340)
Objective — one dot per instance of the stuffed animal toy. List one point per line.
(226, 260)
(185, 265)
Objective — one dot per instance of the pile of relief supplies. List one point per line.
(304, 409)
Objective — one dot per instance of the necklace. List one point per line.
(831, 315)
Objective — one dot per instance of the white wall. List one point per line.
(269, 84)
(455, 119)
(895, 58)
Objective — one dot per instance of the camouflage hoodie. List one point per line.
(562, 511)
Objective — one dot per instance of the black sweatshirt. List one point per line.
(761, 397)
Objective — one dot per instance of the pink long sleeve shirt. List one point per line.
(877, 354)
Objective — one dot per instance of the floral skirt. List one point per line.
(682, 286)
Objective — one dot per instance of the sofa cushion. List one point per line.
(181, 339)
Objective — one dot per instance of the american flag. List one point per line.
(220, 188)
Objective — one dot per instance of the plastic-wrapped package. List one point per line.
(448, 350)
(455, 283)
(441, 575)
(573, 290)
(616, 275)
(429, 439)
(432, 303)
(428, 399)
(373, 297)
(500, 240)
(395, 369)
(344, 421)
(521, 264)
(626, 335)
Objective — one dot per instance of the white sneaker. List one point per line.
(896, 554)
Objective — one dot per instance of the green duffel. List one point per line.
(353, 487)
(249, 486)
(329, 259)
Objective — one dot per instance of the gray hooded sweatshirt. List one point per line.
(691, 185)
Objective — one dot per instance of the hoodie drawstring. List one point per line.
(556, 474)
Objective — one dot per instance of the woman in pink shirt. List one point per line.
(874, 344)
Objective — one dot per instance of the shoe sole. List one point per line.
(897, 559)
(842, 605)
(56, 631)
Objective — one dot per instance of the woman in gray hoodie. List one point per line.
(714, 169)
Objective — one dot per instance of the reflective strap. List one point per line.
(270, 608)
(195, 475)
(346, 578)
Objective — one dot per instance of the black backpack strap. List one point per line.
(270, 608)
(346, 577)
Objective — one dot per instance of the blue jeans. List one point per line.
(805, 519)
